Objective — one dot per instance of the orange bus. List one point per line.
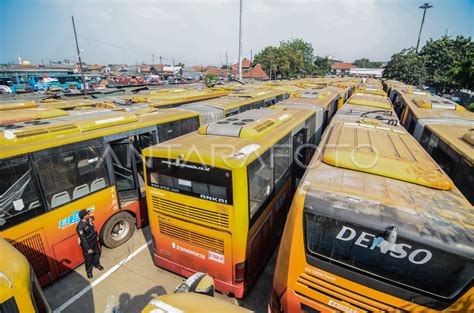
(375, 225)
(216, 197)
(52, 169)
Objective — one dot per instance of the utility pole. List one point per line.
(153, 60)
(240, 40)
(226, 59)
(271, 65)
(79, 57)
(251, 56)
(425, 7)
(161, 63)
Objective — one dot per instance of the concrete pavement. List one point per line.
(130, 280)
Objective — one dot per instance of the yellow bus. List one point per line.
(17, 104)
(171, 98)
(216, 197)
(19, 289)
(324, 102)
(50, 171)
(375, 226)
(452, 147)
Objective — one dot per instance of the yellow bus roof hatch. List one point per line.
(384, 151)
(250, 124)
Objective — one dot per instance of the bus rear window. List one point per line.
(192, 179)
(404, 263)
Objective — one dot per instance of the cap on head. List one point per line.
(82, 213)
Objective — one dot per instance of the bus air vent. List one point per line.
(469, 137)
(31, 132)
(308, 285)
(264, 125)
(32, 248)
(63, 127)
(190, 213)
(378, 150)
(191, 237)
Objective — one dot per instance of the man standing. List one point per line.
(89, 242)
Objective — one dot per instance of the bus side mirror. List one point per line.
(198, 283)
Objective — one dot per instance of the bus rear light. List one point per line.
(239, 272)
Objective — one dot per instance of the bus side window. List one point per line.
(168, 130)
(19, 199)
(189, 125)
(281, 161)
(260, 182)
(72, 174)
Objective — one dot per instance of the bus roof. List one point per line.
(371, 100)
(222, 146)
(17, 104)
(319, 97)
(14, 271)
(375, 197)
(16, 116)
(75, 128)
(457, 137)
(436, 107)
(379, 149)
(175, 96)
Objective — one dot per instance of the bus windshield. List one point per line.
(192, 179)
(406, 263)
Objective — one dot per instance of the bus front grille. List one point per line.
(190, 213)
(32, 248)
(191, 237)
(310, 285)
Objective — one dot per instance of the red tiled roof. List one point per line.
(199, 68)
(256, 72)
(218, 71)
(245, 64)
(342, 66)
(95, 67)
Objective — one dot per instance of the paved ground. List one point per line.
(130, 280)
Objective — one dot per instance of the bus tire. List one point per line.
(117, 230)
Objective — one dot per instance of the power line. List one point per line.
(133, 50)
(114, 45)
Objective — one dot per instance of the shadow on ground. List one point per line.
(137, 303)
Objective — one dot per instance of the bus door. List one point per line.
(127, 165)
(125, 171)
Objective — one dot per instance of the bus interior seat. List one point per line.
(98, 184)
(60, 199)
(34, 204)
(80, 191)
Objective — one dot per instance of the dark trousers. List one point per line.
(92, 259)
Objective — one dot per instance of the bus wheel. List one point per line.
(117, 230)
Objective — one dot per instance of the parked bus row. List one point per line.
(218, 196)
(375, 224)
(444, 129)
(85, 154)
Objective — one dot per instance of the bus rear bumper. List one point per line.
(224, 287)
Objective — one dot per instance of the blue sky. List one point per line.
(201, 32)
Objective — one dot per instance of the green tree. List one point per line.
(210, 80)
(303, 48)
(291, 59)
(366, 63)
(406, 66)
(322, 66)
(449, 62)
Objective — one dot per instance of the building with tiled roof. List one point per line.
(256, 72)
(342, 68)
(246, 64)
